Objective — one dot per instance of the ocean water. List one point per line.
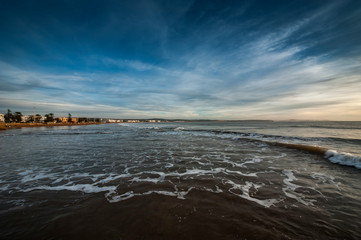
(182, 180)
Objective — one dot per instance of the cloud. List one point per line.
(227, 62)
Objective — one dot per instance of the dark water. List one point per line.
(213, 180)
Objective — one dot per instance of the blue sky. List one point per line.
(182, 59)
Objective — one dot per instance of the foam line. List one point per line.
(245, 193)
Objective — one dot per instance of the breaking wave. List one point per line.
(346, 159)
(343, 158)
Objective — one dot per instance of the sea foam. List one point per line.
(290, 189)
(343, 158)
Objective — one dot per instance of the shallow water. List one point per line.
(181, 180)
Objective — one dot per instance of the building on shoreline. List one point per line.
(133, 121)
(115, 121)
(24, 118)
(2, 119)
(66, 120)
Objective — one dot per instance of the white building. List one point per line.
(2, 119)
(133, 121)
(115, 121)
(24, 119)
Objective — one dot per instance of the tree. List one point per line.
(37, 118)
(30, 118)
(49, 117)
(9, 116)
(82, 120)
(69, 118)
(17, 117)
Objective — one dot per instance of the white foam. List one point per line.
(86, 188)
(35, 177)
(4, 188)
(241, 173)
(182, 194)
(18, 202)
(245, 193)
(254, 160)
(117, 198)
(203, 163)
(169, 165)
(179, 194)
(160, 174)
(126, 170)
(289, 189)
(325, 178)
(113, 177)
(59, 180)
(152, 180)
(343, 158)
(140, 125)
(26, 172)
(197, 172)
(218, 190)
(189, 172)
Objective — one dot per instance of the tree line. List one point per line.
(17, 117)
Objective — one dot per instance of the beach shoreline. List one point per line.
(6, 126)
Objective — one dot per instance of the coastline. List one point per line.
(6, 126)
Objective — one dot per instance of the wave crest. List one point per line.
(346, 159)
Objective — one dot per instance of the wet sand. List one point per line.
(202, 216)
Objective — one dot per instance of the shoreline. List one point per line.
(6, 126)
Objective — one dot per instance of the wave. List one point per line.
(324, 127)
(256, 136)
(308, 148)
(278, 137)
(343, 158)
(346, 159)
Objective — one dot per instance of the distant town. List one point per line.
(50, 118)
(17, 120)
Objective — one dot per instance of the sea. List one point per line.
(182, 180)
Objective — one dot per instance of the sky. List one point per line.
(268, 59)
